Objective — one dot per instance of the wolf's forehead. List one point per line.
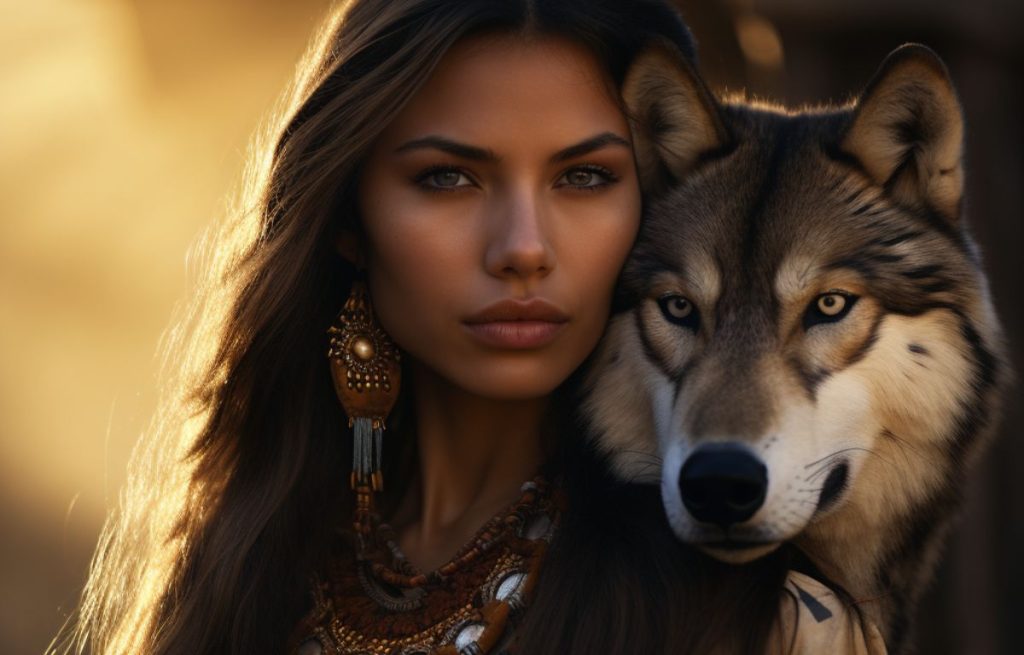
(700, 276)
(753, 209)
(795, 275)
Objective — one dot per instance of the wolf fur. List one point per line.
(803, 297)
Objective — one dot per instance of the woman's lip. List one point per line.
(511, 310)
(516, 335)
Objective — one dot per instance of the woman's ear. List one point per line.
(349, 245)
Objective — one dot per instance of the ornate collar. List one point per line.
(372, 601)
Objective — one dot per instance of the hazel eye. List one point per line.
(679, 310)
(446, 178)
(443, 178)
(587, 178)
(829, 308)
(579, 177)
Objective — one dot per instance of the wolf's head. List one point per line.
(803, 345)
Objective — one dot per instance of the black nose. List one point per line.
(723, 484)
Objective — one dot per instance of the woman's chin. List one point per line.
(512, 386)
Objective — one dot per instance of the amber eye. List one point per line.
(829, 308)
(679, 310)
(831, 304)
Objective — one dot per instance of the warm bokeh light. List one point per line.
(124, 128)
(760, 41)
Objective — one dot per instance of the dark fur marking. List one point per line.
(780, 148)
(848, 200)
(858, 265)
(867, 344)
(944, 226)
(715, 154)
(922, 272)
(887, 258)
(680, 379)
(921, 308)
(862, 209)
(809, 380)
(986, 373)
(937, 286)
(897, 239)
(649, 351)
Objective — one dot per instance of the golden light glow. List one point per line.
(760, 41)
(124, 127)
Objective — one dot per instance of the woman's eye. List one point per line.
(679, 310)
(587, 177)
(829, 308)
(444, 179)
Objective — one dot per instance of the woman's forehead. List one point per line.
(497, 90)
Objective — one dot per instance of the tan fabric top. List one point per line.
(823, 623)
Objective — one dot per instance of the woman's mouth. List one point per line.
(520, 335)
(517, 324)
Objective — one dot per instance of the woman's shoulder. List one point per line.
(819, 621)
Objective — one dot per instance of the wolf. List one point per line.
(803, 348)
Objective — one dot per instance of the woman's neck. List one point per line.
(474, 455)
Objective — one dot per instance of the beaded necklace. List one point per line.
(373, 601)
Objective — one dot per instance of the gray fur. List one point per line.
(763, 213)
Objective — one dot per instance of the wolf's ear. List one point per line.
(907, 132)
(674, 117)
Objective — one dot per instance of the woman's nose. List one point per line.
(518, 245)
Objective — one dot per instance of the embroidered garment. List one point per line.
(469, 606)
(824, 624)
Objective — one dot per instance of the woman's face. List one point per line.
(498, 209)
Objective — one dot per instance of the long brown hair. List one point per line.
(236, 490)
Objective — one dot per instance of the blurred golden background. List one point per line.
(123, 131)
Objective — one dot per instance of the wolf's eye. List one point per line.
(829, 308)
(831, 304)
(679, 310)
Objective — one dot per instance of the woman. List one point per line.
(467, 166)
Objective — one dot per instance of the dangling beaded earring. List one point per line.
(365, 367)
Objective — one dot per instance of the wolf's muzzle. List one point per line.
(723, 484)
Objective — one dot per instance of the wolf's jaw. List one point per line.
(738, 552)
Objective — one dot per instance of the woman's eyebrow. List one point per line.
(475, 153)
(590, 145)
(462, 150)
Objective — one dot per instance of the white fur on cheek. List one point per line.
(678, 518)
(914, 398)
(618, 406)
